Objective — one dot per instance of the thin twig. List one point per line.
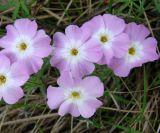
(71, 124)
(125, 111)
(29, 119)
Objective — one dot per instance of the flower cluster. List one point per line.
(23, 48)
(104, 40)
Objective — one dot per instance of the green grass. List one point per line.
(130, 104)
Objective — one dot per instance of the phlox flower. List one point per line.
(107, 32)
(12, 76)
(75, 96)
(141, 49)
(73, 53)
(24, 43)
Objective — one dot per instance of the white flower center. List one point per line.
(132, 51)
(74, 52)
(135, 52)
(2, 80)
(75, 95)
(22, 47)
(104, 39)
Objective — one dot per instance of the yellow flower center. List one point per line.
(74, 52)
(132, 51)
(75, 95)
(2, 79)
(104, 39)
(22, 46)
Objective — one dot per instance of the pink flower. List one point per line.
(11, 78)
(141, 50)
(24, 43)
(107, 32)
(73, 53)
(76, 96)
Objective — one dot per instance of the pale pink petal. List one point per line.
(59, 39)
(96, 23)
(7, 52)
(86, 110)
(12, 95)
(149, 47)
(42, 47)
(120, 45)
(82, 68)
(86, 33)
(1, 94)
(93, 102)
(75, 33)
(55, 97)
(68, 107)
(66, 79)
(114, 24)
(26, 27)
(93, 86)
(106, 57)
(59, 63)
(4, 63)
(93, 50)
(136, 32)
(120, 68)
(74, 110)
(33, 64)
(8, 39)
(18, 73)
(65, 107)
(40, 34)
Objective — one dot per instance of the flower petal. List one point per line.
(55, 97)
(18, 73)
(96, 23)
(136, 32)
(33, 64)
(120, 68)
(120, 45)
(66, 79)
(93, 86)
(59, 63)
(5, 63)
(42, 44)
(7, 52)
(106, 57)
(82, 68)
(149, 46)
(26, 27)
(8, 39)
(12, 95)
(65, 108)
(74, 110)
(86, 110)
(114, 24)
(74, 32)
(59, 39)
(93, 50)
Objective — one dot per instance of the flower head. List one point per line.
(107, 32)
(12, 76)
(76, 96)
(24, 43)
(73, 53)
(141, 49)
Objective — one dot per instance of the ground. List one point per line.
(131, 105)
